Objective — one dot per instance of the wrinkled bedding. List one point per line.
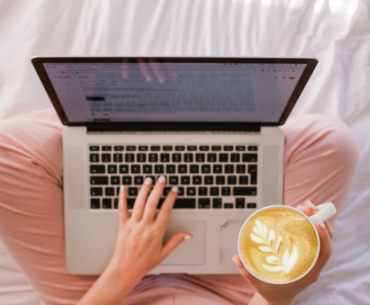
(337, 32)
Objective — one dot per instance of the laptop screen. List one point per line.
(153, 91)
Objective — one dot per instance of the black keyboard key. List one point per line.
(251, 205)
(143, 148)
(184, 203)
(131, 148)
(159, 169)
(141, 158)
(170, 169)
(94, 148)
(129, 157)
(214, 191)
(202, 191)
(123, 169)
(190, 191)
(192, 148)
(217, 169)
(107, 203)
(231, 180)
(115, 203)
(180, 148)
(167, 148)
(135, 169)
(98, 180)
(176, 157)
(194, 168)
(117, 191)
(117, 158)
(252, 170)
(211, 157)
(252, 148)
(240, 148)
(226, 191)
(197, 180)
(166, 190)
(112, 169)
(106, 157)
(174, 180)
(96, 191)
(208, 180)
(185, 180)
(223, 158)
(106, 148)
(199, 157)
(165, 157)
(115, 180)
(132, 191)
(229, 169)
(181, 191)
(244, 191)
(126, 180)
(182, 169)
(217, 203)
(160, 202)
(235, 157)
(228, 205)
(204, 203)
(130, 203)
(250, 158)
(118, 148)
(216, 148)
(204, 148)
(240, 203)
(243, 180)
(240, 169)
(109, 191)
(97, 169)
(206, 169)
(147, 169)
(188, 157)
(138, 180)
(220, 180)
(94, 158)
(228, 148)
(95, 203)
(153, 157)
(155, 148)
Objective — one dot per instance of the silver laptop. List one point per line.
(210, 125)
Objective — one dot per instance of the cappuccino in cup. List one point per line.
(280, 244)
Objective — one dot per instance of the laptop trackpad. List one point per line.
(229, 240)
(190, 252)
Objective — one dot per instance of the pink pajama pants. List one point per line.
(320, 159)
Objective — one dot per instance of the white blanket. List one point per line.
(337, 32)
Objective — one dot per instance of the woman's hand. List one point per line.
(139, 246)
(285, 294)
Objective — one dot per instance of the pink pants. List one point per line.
(320, 159)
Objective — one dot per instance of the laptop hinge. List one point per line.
(101, 127)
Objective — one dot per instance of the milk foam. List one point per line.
(278, 244)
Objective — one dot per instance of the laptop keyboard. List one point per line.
(208, 176)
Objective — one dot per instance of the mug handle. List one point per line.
(327, 210)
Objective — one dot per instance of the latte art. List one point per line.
(278, 244)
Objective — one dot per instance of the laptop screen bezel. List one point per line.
(38, 63)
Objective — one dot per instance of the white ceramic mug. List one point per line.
(327, 210)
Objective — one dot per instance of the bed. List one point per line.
(337, 32)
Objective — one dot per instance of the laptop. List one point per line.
(210, 125)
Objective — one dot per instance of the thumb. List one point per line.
(170, 244)
(244, 272)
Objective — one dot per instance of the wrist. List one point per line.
(258, 299)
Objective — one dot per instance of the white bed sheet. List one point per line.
(337, 32)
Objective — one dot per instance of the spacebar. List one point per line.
(184, 203)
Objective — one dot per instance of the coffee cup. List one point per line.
(280, 244)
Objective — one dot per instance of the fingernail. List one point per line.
(187, 237)
(321, 224)
(148, 180)
(122, 188)
(311, 205)
(174, 189)
(300, 207)
(161, 179)
(237, 262)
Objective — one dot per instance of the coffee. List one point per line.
(278, 244)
